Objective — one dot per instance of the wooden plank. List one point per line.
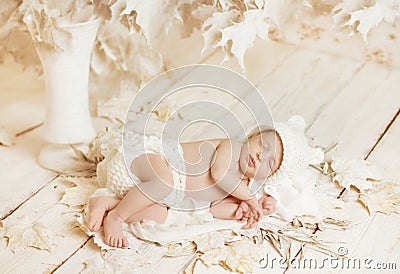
(21, 176)
(308, 74)
(382, 231)
(349, 120)
(377, 90)
(44, 208)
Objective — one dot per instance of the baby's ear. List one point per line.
(298, 122)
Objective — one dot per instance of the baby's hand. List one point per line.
(255, 212)
(242, 212)
(267, 204)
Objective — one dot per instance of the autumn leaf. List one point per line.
(211, 29)
(177, 249)
(238, 256)
(79, 194)
(22, 233)
(383, 197)
(370, 17)
(115, 261)
(243, 34)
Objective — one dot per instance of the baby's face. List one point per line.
(261, 155)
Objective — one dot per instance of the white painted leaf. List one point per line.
(154, 17)
(22, 233)
(383, 197)
(243, 34)
(79, 194)
(116, 261)
(178, 249)
(211, 28)
(238, 256)
(354, 173)
(212, 240)
(342, 10)
(371, 17)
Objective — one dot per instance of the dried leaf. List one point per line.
(22, 233)
(115, 261)
(354, 173)
(78, 195)
(383, 197)
(370, 17)
(178, 249)
(81, 155)
(243, 34)
(342, 10)
(154, 17)
(342, 223)
(212, 240)
(238, 256)
(211, 28)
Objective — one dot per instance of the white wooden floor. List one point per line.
(345, 94)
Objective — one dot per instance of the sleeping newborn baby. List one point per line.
(218, 174)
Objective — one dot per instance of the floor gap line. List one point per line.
(5, 216)
(29, 129)
(383, 134)
(73, 253)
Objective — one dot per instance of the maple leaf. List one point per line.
(115, 261)
(243, 34)
(343, 9)
(80, 193)
(371, 17)
(153, 17)
(354, 173)
(238, 256)
(22, 233)
(383, 197)
(211, 28)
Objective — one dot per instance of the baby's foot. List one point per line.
(97, 209)
(98, 206)
(113, 230)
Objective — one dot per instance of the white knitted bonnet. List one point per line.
(298, 154)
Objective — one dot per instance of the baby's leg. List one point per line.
(157, 180)
(229, 208)
(155, 212)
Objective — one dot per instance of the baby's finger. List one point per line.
(238, 213)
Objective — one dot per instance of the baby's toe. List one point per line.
(125, 242)
(111, 241)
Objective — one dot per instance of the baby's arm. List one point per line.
(225, 172)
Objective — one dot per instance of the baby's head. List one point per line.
(279, 151)
(261, 154)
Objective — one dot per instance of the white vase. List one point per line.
(66, 72)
